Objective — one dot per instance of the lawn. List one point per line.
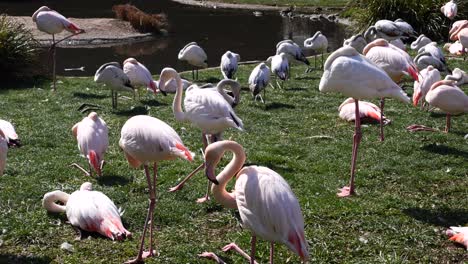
(410, 187)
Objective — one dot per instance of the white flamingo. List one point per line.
(234, 90)
(399, 44)
(385, 29)
(266, 203)
(455, 48)
(10, 133)
(358, 42)
(367, 110)
(171, 85)
(427, 77)
(139, 75)
(88, 210)
(145, 140)
(461, 34)
(449, 9)
(51, 22)
(459, 235)
(258, 80)
(459, 76)
(293, 51)
(3, 151)
(93, 140)
(280, 67)
(112, 75)
(229, 62)
(352, 74)
(207, 109)
(434, 50)
(420, 42)
(317, 43)
(195, 56)
(405, 27)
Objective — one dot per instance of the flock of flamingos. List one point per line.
(367, 66)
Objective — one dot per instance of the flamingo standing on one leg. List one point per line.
(446, 96)
(317, 43)
(280, 67)
(51, 22)
(195, 56)
(350, 73)
(206, 109)
(427, 77)
(10, 133)
(145, 140)
(367, 110)
(93, 140)
(111, 74)
(229, 62)
(139, 75)
(88, 210)
(258, 80)
(394, 61)
(266, 203)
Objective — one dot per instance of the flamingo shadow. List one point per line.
(111, 180)
(295, 89)
(212, 80)
(276, 105)
(139, 110)
(437, 115)
(307, 78)
(445, 150)
(439, 217)
(89, 95)
(152, 102)
(9, 258)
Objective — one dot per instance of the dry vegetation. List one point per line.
(141, 21)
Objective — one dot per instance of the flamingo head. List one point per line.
(152, 86)
(94, 161)
(416, 97)
(41, 9)
(413, 72)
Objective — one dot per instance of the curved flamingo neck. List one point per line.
(167, 74)
(344, 51)
(375, 43)
(219, 191)
(50, 199)
(442, 82)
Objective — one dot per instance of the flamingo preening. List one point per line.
(195, 56)
(145, 140)
(171, 85)
(459, 76)
(258, 80)
(460, 33)
(459, 235)
(232, 96)
(205, 108)
(427, 77)
(350, 73)
(10, 133)
(112, 75)
(228, 65)
(280, 67)
(93, 140)
(420, 42)
(358, 42)
(317, 43)
(266, 203)
(88, 210)
(138, 74)
(293, 51)
(51, 22)
(446, 96)
(449, 9)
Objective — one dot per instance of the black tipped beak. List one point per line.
(210, 174)
(163, 92)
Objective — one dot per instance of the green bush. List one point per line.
(424, 15)
(18, 49)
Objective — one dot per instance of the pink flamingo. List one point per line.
(459, 235)
(3, 151)
(446, 96)
(455, 48)
(139, 75)
(51, 22)
(266, 203)
(144, 140)
(427, 77)
(10, 133)
(88, 210)
(449, 9)
(366, 111)
(461, 34)
(350, 73)
(394, 61)
(93, 140)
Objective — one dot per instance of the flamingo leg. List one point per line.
(272, 251)
(235, 247)
(322, 60)
(447, 123)
(252, 249)
(214, 138)
(155, 177)
(54, 61)
(212, 256)
(382, 103)
(81, 169)
(349, 190)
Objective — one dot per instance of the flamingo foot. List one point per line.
(345, 192)
(203, 199)
(417, 128)
(176, 188)
(230, 246)
(145, 255)
(212, 256)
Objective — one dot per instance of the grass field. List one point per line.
(410, 187)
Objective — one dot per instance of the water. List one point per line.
(216, 30)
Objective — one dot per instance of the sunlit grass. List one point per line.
(410, 187)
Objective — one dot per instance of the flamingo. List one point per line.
(461, 34)
(112, 75)
(195, 56)
(393, 61)
(420, 42)
(266, 203)
(258, 80)
(280, 67)
(425, 59)
(93, 140)
(205, 108)
(459, 76)
(399, 44)
(293, 51)
(235, 90)
(455, 48)
(352, 74)
(144, 140)
(457, 25)
(427, 77)
(3, 151)
(358, 42)
(139, 75)
(171, 85)
(405, 27)
(10, 134)
(51, 22)
(446, 96)
(229, 62)
(317, 43)
(435, 51)
(449, 9)
(367, 110)
(385, 29)
(459, 235)
(88, 210)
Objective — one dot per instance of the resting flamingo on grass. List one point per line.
(195, 56)
(461, 34)
(51, 22)
(280, 68)
(147, 140)
(350, 73)
(427, 77)
(206, 109)
(258, 80)
(93, 140)
(317, 43)
(229, 62)
(139, 75)
(10, 133)
(459, 235)
(88, 210)
(112, 75)
(459, 76)
(367, 111)
(266, 203)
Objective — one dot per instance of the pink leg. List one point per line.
(236, 248)
(447, 123)
(141, 254)
(212, 256)
(272, 251)
(81, 169)
(155, 177)
(214, 138)
(54, 62)
(252, 249)
(382, 103)
(349, 190)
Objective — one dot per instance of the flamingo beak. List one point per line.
(414, 73)
(210, 173)
(152, 85)
(416, 98)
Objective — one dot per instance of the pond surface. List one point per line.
(216, 30)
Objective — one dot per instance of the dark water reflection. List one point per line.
(216, 30)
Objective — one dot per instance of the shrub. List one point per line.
(141, 21)
(18, 49)
(423, 15)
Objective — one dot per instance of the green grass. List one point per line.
(297, 3)
(410, 187)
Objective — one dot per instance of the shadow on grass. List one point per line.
(445, 150)
(89, 95)
(152, 102)
(437, 115)
(111, 180)
(276, 105)
(26, 83)
(8, 258)
(440, 217)
(212, 80)
(138, 110)
(214, 207)
(307, 78)
(295, 89)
